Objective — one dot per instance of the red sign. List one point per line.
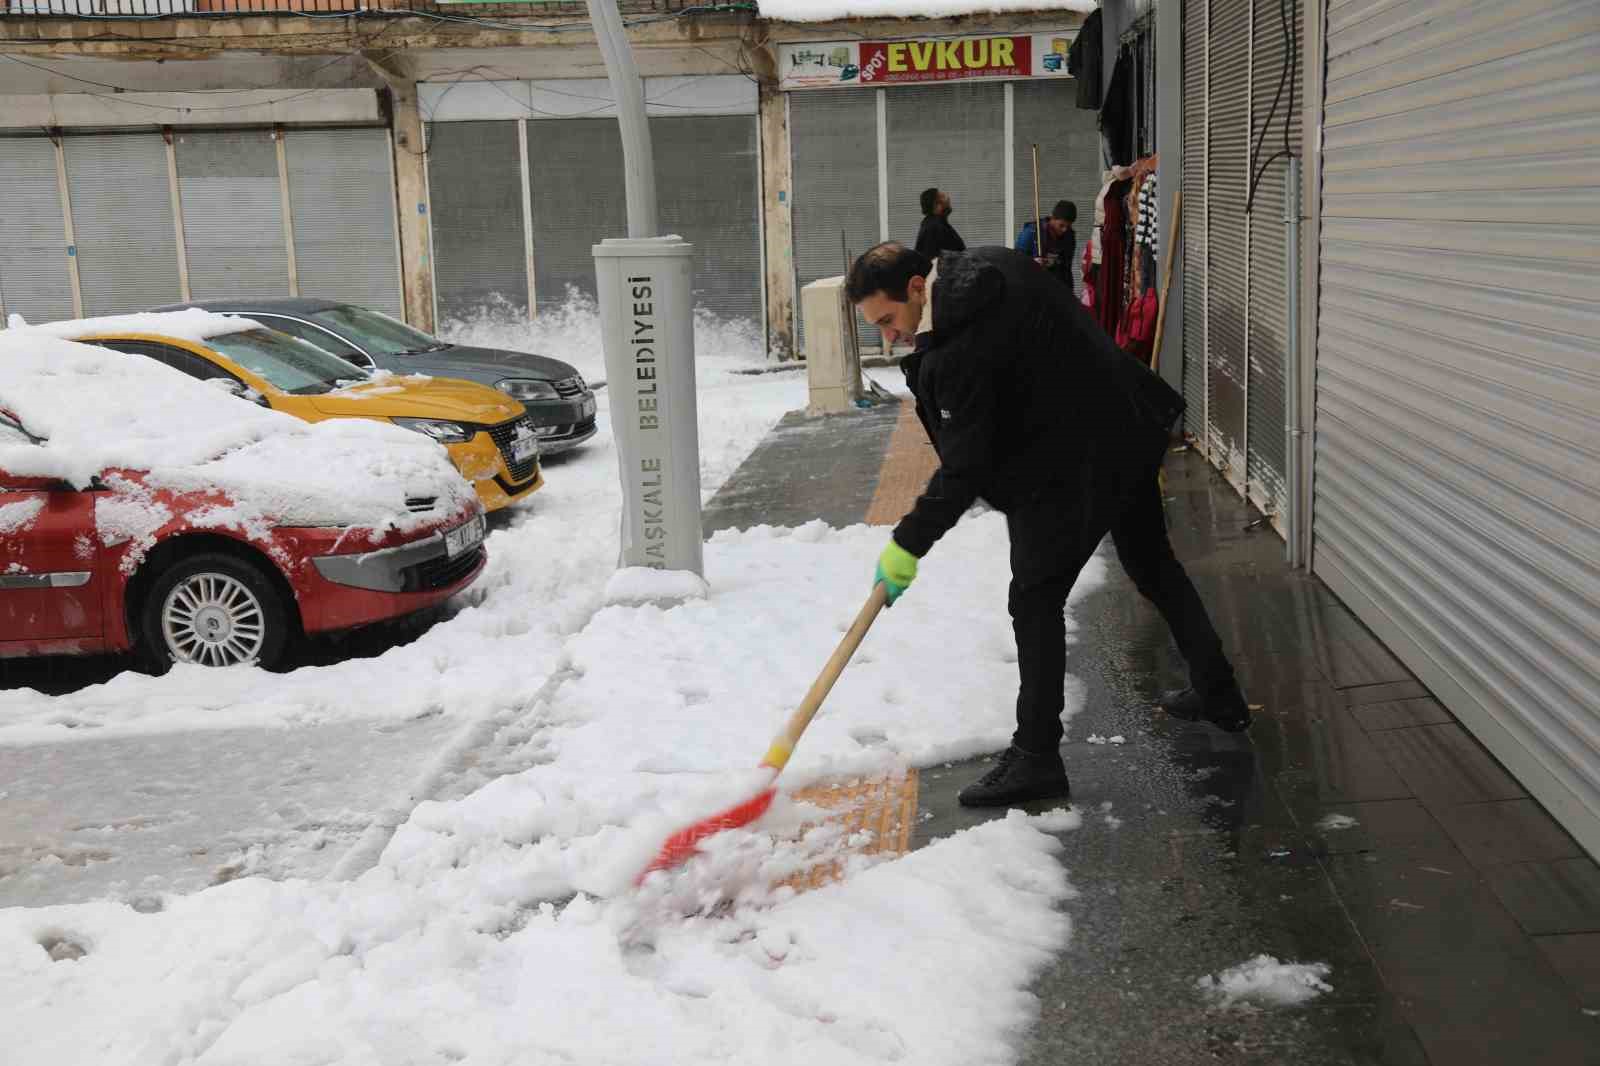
(886, 63)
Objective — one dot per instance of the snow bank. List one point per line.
(1266, 981)
(829, 10)
(100, 411)
(641, 585)
(467, 965)
(192, 325)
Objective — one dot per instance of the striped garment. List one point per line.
(1146, 230)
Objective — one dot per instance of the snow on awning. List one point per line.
(830, 10)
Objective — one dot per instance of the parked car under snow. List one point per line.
(137, 513)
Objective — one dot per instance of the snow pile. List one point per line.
(641, 585)
(1337, 822)
(829, 10)
(469, 965)
(1265, 981)
(99, 411)
(192, 325)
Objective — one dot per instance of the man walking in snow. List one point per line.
(937, 235)
(1033, 409)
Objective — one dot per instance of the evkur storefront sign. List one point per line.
(844, 64)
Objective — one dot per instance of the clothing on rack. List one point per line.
(1084, 62)
(1146, 230)
(1116, 112)
(1110, 278)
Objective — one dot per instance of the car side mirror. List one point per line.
(239, 389)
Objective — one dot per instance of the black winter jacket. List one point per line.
(1028, 403)
(937, 236)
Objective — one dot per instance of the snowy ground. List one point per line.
(560, 738)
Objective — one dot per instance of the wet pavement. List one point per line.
(1462, 924)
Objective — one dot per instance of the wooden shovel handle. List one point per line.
(784, 743)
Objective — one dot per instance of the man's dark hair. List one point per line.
(930, 201)
(887, 268)
(1065, 210)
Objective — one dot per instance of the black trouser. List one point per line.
(1046, 557)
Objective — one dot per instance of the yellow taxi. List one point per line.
(489, 436)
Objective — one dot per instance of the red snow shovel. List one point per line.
(682, 844)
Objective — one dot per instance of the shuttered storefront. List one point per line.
(475, 201)
(952, 137)
(1235, 282)
(127, 244)
(1457, 462)
(153, 218)
(34, 268)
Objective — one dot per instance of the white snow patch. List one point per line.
(1060, 820)
(1118, 739)
(192, 325)
(1265, 981)
(15, 517)
(636, 585)
(1336, 822)
(830, 10)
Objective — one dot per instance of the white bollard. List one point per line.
(647, 327)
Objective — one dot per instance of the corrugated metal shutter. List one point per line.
(952, 137)
(833, 148)
(341, 193)
(707, 182)
(1196, 55)
(34, 280)
(1228, 176)
(480, 256)
(1269, 326)
(1047, 114)
(1457, 479)
(575, 168)
(122, 219)
(232, 214)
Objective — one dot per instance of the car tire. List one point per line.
(215, 610)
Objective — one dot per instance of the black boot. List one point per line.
(1018, 776)
(1224, 708)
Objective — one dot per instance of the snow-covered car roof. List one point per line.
(192, 325)
(832, 10)
(97, 410)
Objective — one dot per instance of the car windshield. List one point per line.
(288, 364)
(378, 333)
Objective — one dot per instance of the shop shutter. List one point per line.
(708, 185)
(341, 193)
(953, 137)
(122, 219)
(575, 168)
(34, 280)
(1268, 319)
(1196, 54)
(1047, 114)
(1457, 476)
(480, 259)
(1226, 265)
(833, 147)
(232, 214)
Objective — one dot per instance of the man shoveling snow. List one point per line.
(1034, 410)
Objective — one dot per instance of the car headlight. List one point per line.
(527, 389)
(440, 430)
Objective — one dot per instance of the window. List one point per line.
(377, 333)
(305, 331)
(178, 359)
(288, 364)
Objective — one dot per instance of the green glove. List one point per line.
(897, 568)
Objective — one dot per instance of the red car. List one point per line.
(143, 510)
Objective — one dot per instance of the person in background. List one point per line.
(937, 235)
(1060, 245)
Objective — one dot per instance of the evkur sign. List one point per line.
(846, 64)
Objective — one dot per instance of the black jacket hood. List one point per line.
(964, 289)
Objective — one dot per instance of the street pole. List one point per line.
(646, 293)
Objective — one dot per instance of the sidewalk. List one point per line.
(1462, 924)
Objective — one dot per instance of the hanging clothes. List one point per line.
(1109, 279)
(1116, 112)
(1084, 62)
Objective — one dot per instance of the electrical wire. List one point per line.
(1291, 76)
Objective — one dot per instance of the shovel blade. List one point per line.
(686, 841)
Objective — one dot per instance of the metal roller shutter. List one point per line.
(953, 137)
(480, 256)
(232, 214)
(1196, 56)
(341, 194)
(1069, 156)
(1457, 476)
(833, 147)
(575, 169)
(34, 280)
(1228, 174)
(707, 181)
(122, 218)
(1268, 320)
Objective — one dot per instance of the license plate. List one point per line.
(523, 450)
(464, 537)
(588, 407)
